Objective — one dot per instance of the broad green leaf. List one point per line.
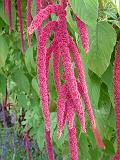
(29, 60)
(107, 78)
(22, 100)
(83, 146)
(35, 86)
(93, 88)
(103, 111)
(101, 48)
(109, 148)
(40, 137)
(3, 51)
(86, 10)
(21, 80)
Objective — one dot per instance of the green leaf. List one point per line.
(86, 10)
(35, 86)
(22, 100)
(40, 136)
(83, 147)
(109, 148)
(29, 60)
(101, 48)
(21, 81)
(3, 51)
(107, 78)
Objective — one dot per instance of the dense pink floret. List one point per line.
(82, 87)
(72, 143)
(56, 74)
(41, 70)
(61, 102)
(70, 111)
(43, 14)
(117, 98)
(67, 66)
(83, 33)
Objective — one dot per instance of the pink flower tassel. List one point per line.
(73, 144)
(9, 15)
(68, 70)
(41, 70)
(83, 33)
(82, 87)
(21, 25)
(117, 98)
(43, 14)
(28, 19)
(48, 145)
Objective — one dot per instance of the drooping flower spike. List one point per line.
(67, 66)
(83, 33)
(68, 94)
(72, 143)
(41, 70)
(117, 98)
(43, 14)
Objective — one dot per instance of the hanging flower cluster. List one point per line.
(61, 47)
(117, 98)
(69, 93)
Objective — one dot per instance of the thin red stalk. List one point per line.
(28, 19)
(4, 6)
(41, 70)
(117, 98)
(68, 70)
(9, 15)
(27, 144)
(72, 143)
(4, 107)
(48, 145)
(19, 11)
